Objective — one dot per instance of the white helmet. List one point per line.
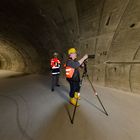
(55, 54)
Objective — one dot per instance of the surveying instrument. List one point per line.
(85, 74)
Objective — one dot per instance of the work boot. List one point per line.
(73, 102)
(77, 95)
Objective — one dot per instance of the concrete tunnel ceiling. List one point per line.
(31, 30)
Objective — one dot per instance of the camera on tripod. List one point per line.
(91, 56)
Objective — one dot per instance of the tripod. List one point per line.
(85, 74)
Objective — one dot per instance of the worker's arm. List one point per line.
(83, 59)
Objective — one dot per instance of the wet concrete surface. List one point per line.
(30, 111)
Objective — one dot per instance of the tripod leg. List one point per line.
(97, 95)
(72, 120)
(102, 104)
(75, 107)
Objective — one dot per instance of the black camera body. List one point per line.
(92, 56)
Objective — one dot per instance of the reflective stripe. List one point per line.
(55, 72)
(68, 69)
(55, 67)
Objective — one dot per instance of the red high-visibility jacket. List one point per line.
(55, 66)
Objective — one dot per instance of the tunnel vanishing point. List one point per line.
(31, 30)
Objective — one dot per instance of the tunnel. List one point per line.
(31, 31)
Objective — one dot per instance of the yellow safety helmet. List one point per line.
(71, 50)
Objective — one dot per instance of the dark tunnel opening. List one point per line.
(32, 34)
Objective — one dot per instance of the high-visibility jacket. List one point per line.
(69, 72)
(55, 66)
(72, 70)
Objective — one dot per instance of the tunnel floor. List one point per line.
(30, 111)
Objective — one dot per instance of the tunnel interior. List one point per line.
(31, 30)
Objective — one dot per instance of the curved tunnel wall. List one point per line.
(11, 58)
(18, 56)
(112, 31)
(28, 37)
(108, 29)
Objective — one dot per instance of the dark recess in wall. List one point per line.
(132, 25)
(108, 20)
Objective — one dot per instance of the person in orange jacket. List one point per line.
(73, 74)
(55, 70)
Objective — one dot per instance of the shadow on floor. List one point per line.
(89, 102)
(62, 92)
(59, 126)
